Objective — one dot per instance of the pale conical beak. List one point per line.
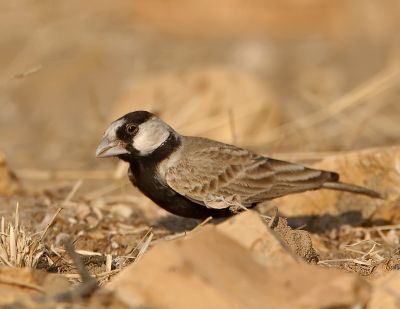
(108, 148)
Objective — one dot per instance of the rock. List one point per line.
(385, 292)
(27, 288)
(203, 100)
(8, 180)
(377, 169)
(212, 270)
(20, 285)
(298, 241)
(251, 232)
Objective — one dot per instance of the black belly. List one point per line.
(143, 177)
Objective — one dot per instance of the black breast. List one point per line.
(143, 174)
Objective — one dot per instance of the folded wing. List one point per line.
(224, 170)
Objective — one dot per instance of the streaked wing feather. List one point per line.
(225, 170)
(291, 178)
(205, 171)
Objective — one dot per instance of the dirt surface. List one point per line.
(300, 81)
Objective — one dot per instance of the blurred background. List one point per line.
(305, 77)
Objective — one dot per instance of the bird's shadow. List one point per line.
(327, 222)
(175, 224)
(312, 223)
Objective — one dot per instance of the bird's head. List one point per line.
(136, 134)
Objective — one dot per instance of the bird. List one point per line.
(196, 177)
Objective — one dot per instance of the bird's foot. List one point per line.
(232, 202)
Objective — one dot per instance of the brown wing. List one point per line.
(223, 170)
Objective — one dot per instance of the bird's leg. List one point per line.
(235, 204)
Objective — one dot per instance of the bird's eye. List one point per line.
(131, 128)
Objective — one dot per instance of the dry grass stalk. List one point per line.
(143, 243)
(143, 246)
(201, 224)
(378, 84)
(364, 255)
(335, 261)
(136, 254)
(182, 234)
(37, 242)
(108, 262)
(17, 247)
(28, 72)
(88, 283)
(232, 126)
(21, 249)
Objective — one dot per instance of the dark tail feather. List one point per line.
(352, 188)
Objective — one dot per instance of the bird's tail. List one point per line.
(341, 186)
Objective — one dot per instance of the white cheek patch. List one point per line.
(152, 134)
(111, 132)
